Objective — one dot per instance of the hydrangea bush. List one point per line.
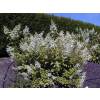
(55, 60)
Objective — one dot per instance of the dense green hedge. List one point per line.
(37, 22)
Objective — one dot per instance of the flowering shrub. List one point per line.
(55, 60)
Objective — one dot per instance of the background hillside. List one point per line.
(38, 23)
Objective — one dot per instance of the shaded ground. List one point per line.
(92, 75)
(7, 74)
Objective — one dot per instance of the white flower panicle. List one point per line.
(6, 30)
(61, 33)
(85, 54)
(66, 43)
(17, 28)
(14, 33)
(53, 27)
(32, 42)
(24, 46)
(49, 42)
(26, 31)
(86, 37)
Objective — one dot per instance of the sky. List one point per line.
(93, 18)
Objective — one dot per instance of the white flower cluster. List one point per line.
(14, 33)
(94, 47)
(29, 69)
(26, 31)
(86, 33)
(65, 42)
(83, 52)
(37, 64)
(85, 55)
(30, 42)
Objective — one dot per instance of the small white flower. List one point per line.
(29, 69)
(37, 64)
(24, 46)
(26, 31)
(87, 40)
(53, 77)
(24, 75)
(19, 67)
(71, 77)
(95, 46)
(49, 74)
(61, 34)
(77, 65)
(78, 72)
